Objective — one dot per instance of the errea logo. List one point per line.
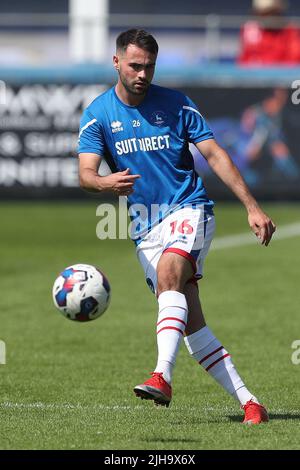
(116, 126)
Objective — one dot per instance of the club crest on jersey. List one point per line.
(158, 118)
(116, 126)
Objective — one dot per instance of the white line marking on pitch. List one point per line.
(99, 406)
(64, 406)
(240, 239)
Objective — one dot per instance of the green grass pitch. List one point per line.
(68, 385)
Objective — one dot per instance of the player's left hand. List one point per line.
(261, 225)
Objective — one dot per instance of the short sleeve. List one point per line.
(90, 138)
(196, 127)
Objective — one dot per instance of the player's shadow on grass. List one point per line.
(272, 416)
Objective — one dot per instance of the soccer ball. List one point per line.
(81, 292)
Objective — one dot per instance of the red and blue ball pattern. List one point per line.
(70, 281)
(88, 305)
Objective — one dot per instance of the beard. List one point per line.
(132, 88)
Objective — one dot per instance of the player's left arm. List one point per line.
(222, 165)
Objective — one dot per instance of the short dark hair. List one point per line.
(139, 38)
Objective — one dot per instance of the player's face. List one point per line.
(136, 69)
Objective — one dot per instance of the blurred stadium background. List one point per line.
(70, 386)
(55, 57)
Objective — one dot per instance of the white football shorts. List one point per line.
(187, 232)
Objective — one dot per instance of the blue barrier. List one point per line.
(202, 74)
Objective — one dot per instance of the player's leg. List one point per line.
(149, 252)
(181, 236)
(195, 320)
(168, 265)
(208, 351)
(173, 271)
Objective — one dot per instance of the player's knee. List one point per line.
(172, 273)
(168, 280)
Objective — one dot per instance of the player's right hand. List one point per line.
(120, 183)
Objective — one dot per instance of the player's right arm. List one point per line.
(91, 147)
(120, 183)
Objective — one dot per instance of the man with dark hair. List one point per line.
(137, 37)
(146, 130)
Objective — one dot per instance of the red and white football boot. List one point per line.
(254, 413)
(156, 389)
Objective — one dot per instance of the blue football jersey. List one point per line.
(152, 140)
